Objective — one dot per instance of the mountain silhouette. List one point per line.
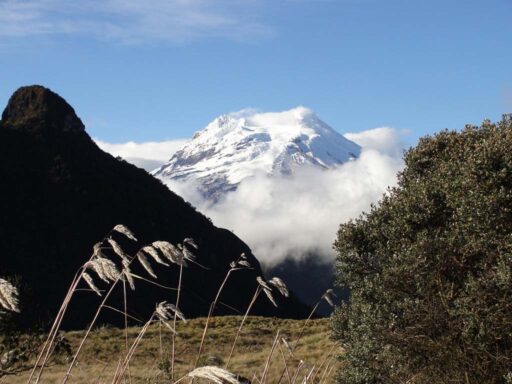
(60, 194)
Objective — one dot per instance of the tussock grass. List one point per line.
(100, 356)
(167, 356)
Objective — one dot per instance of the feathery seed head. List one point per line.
(267, 290)
(8, 296)
(145, 263)
(329, 296)
(8, 359)
(117, 249)
(244, 263)
(280, 285)
(240, 263)
(263, 283)
(104, 268)
(214, 374)
(90, 282)
(188, 254)
(163, 313)
(191, 242)
(172, 253)
(166, 311)
(268, 293)
(151, 251)
(96, 250)
(125, 231)
(285, 343)
(127, 274)
(129, 277)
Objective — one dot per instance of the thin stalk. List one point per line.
(75, 357)
(47, 346)
(181, 379)
(327, 371)
(210, 313)
(305, 325)
(297, 371)
(308, 376)
(130, 353)
(285, 365)
(125, 316)
(160, 338)
(174, 324)
(153, 282)
(118, 367)
(122, 313)
(57, 322)
(326, 358)
(126, 325)
(256, 294)
(267, 364)
(300, 336)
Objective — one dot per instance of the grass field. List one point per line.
(150, 364)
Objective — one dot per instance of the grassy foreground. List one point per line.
(106, 346)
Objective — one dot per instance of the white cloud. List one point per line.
(134, 21)
(149, 155)
(383, 139)
(290, 216)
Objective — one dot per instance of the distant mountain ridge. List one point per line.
(60, 194)
(240, 145)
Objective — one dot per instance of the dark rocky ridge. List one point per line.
(59, 194)
(309, 277)
(37, 108)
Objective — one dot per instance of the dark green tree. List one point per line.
(430, 267)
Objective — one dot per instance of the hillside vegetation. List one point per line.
(430, 267)
(106, 345)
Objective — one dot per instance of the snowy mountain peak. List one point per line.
(242, 144)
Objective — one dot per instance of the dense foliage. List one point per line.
(430, 267)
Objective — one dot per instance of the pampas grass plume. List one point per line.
(8, 296)
(214, 374)
(125, 231)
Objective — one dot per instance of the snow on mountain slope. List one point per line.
(240, 145)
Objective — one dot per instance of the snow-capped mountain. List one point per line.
(240, 145)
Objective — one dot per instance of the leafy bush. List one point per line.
(430, 267)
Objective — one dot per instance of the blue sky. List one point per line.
(161, 69)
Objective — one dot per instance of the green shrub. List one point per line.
(430, 267)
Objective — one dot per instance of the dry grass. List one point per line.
(106, 346)
(146, 354)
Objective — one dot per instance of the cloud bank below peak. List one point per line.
(283, 217)
(147, 155)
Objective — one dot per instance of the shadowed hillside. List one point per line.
(60, 194)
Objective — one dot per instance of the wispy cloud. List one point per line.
(385, 140)
(148, 155)
(134, 21)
